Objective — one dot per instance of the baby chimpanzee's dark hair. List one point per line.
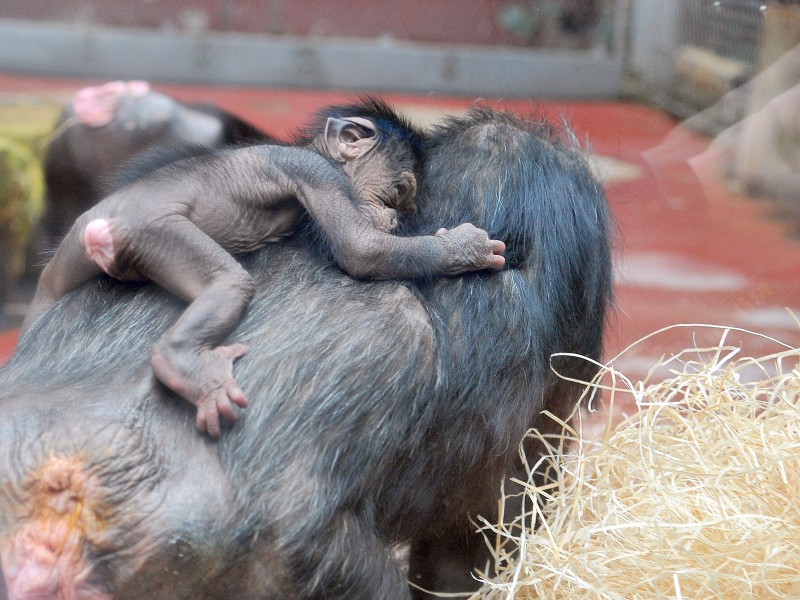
(391, 125)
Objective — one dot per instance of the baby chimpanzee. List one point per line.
(179, 226)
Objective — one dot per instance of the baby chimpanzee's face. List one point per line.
(379, 163)
(384, 178)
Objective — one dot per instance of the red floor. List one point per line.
(688, 249)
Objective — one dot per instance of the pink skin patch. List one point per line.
(138, 88)
(98, 243)
(96, 106)
(45, 557)
(45, 560)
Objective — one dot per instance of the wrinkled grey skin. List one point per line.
(380, 413)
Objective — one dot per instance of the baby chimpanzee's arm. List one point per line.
(364, 251)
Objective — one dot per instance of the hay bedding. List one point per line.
(696, 495)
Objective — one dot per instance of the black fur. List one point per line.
(235, 130)
(391, 125)
(380, 412)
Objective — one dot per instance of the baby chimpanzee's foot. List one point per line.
(98, 242)
(204, 377)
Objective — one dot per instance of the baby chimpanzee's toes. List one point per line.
(204, 378)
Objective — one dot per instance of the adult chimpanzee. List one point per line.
(381, 412)
(352, 174)
(106, 125)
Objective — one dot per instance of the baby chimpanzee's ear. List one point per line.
(347, 139)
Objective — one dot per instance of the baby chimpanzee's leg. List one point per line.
(179, 257)
(188, 358)
(67, 270)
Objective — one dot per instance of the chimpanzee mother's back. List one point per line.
(380, 412)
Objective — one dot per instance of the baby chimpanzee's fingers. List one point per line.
(236, 395)
(224, 405)
(495, 261)
(233, 351)
(200, 421)
(211, 420)
(440, 231)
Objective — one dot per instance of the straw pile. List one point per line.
(696, 495)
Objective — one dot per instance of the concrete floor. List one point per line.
(688, 248)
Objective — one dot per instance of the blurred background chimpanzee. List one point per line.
(105, 126)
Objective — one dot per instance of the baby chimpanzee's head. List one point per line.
(378, 150)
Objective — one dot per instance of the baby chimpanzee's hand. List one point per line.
(470, 249)
(203, 377)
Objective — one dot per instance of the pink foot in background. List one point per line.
(96, 106)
